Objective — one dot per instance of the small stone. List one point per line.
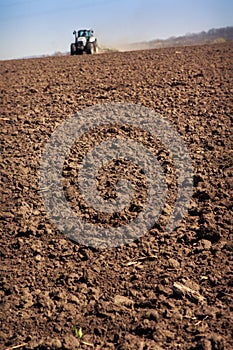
(95, 292)
(82, 287)
(45, 301)
(74, 299)
(121, 300)
(163, 289)
(38, 258)
(204, 244)
(54, 344)
(26, 299)
(71, 343)
(173, 263)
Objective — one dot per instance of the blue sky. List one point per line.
(34, 27)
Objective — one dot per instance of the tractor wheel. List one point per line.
(90, 48)
(72, 49)
(96, 48)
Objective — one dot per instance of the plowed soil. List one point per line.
(163, 291)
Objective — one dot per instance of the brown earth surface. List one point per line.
(162, 291)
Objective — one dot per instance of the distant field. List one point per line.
(123, 298)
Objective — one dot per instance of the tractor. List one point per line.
(85, 41)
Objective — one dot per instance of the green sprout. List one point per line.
(78, 332)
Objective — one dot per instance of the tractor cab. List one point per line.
(83, 33)
(86, 33)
